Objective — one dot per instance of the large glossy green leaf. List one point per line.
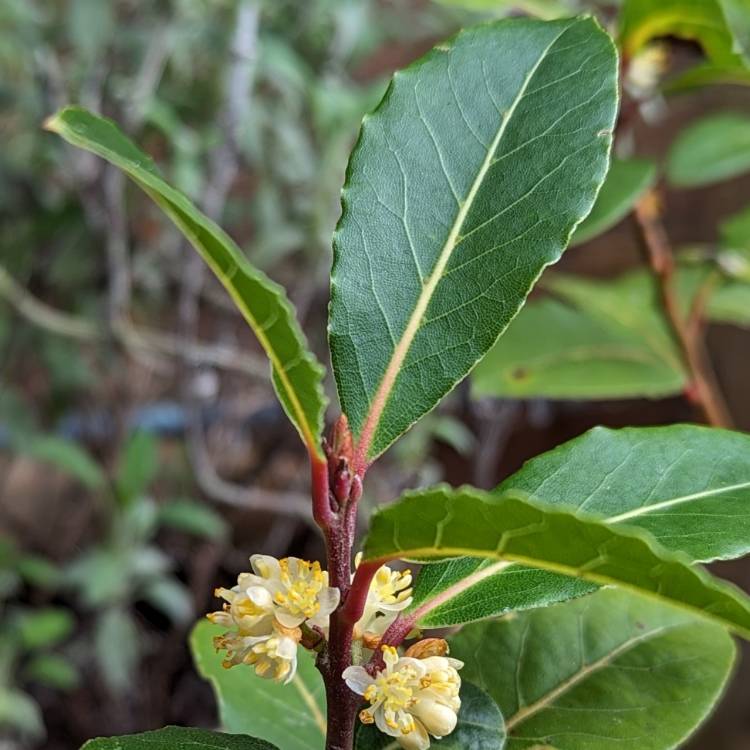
(465, 183)
(480, 727)
(609, 672)
(689, 486)
(601, 339)
(712, 149)
(443, 522)
(291, 716)
(179, 738)
(297, 375)
(626, 181)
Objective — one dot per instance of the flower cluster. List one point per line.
(268, 609)
(265, 612)
(389, 593)
(411, 698)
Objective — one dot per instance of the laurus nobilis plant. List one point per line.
(466, 182)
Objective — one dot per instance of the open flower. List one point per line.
(299, 590)
(410, 699)
(248, 608)
(274, 655)
(390, 592)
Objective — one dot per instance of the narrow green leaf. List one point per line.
(43, 627)
(179, 738)
(63, 454)
(137, 466)
(193, 517)
(297, 375)
(442, 522)
(709, 150)
(480, 727)
(467, 181)
(52, 670)
(292, 716)
(609, 672)
(626, 181)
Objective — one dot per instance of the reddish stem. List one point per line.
(354, 606)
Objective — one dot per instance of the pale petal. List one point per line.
(287, 648)
(328, 598)
(439, 720)
(288, 620)
(382, 725)
(260, 596)
(358, 679)
(415, 740)
(265, 566)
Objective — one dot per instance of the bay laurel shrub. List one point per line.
(586, 619)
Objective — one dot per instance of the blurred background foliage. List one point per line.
(142, 453)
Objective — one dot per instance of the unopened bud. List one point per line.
(428, 647)
(342, 482)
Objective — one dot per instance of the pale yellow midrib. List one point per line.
(399, 353)
(524, 713)
(647, 509)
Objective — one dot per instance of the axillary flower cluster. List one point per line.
(285, 603)
(415, 696)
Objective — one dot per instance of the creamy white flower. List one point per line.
(274, 655)
(410, 699)
(299, 590)
(390, 592)
(248, 608)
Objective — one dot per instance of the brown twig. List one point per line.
(703, 387)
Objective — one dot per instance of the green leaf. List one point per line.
(709, 150)
(735, 231)
(45, 627)
(662, 479)
(117, 649)
(170, 597)
(487, 588)
(179, 738)
(193, 517)
(603, 339)
(730, 303)
(52, 670)
(609, 672)
(137, 466)
(20, 712)
(555, 350)
(710, 23)
(64, 455)
(689, 486)
(480, 727)
(442, 522)
(466, 181)
(292, 716)
(626, 181)
(297, 375)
